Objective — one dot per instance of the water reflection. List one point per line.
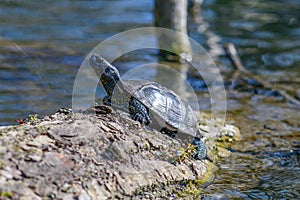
(41, 48)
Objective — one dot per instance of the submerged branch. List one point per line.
(231, 52)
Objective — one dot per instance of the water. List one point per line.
(41, 48)
(266, 164)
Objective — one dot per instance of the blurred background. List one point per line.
(42, 44)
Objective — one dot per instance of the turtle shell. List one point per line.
(167, 110)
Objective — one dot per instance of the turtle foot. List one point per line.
(201, 150)
(142, 119)
(139, 112)
(106, 101)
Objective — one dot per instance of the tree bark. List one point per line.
(172, 14)
(96, 156)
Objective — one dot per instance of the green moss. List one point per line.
(7, 194)
(30, 118)
(33, 117)
(187, 153)
(191, 189)
(41, 129)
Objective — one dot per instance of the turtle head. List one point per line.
(108, 74)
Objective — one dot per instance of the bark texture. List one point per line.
(172, 14)
(93, 156)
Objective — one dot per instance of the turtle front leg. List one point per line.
(139, 112)
(201, 150)
(106, 101)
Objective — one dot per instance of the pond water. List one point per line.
(42, 44)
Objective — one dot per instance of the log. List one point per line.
(172, 14)
(233, 55)
(94, 156)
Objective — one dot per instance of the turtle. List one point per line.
(147, 102)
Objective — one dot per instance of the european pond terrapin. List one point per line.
(148, 102)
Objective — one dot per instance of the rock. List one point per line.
(231, 132)
(223, 153)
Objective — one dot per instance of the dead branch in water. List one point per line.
(231, 52)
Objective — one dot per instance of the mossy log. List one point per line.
(93, 156)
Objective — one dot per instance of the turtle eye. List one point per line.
(110, 72)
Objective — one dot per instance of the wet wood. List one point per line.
(172, 14)
(94, 156)
(233, 55)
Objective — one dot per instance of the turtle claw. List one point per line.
(139, 112)
(142, 119)
(107, 101)
(201, 150)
